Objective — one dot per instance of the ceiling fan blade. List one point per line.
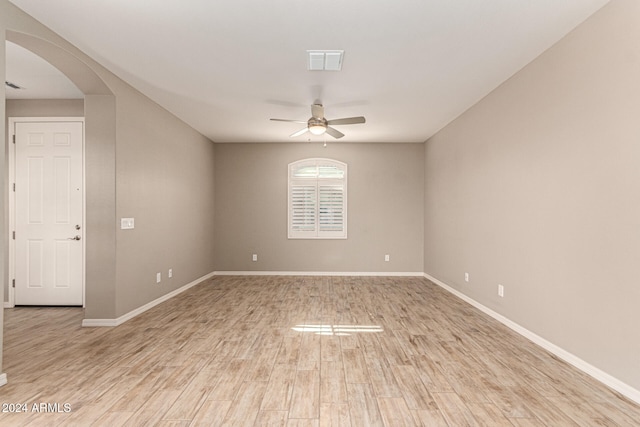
(346, 121)
(287, 120)
(317, 111)
(334, 133)
(300, 132)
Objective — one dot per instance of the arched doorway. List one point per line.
(45, 112)
(100, 137)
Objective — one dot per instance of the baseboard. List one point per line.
(130, 315)
(8, 305)
(90, 323)
(605, 378)
(3, 379)
(320, 273)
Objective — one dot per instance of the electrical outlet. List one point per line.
(501, 291)
(158, 277)
(170, 275)
(466, 277)
(386, 257)
(254, 257)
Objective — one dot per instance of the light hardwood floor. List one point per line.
(296, 351)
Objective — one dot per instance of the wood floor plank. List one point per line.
(355, 367)
(545, 409)
(230, 380)
(309, 355)
(110, 419)
(333, 387)
(113, 394)
(279, 388)
(330, 349)
(395, 412)
(143, 391)
(431, 374)
(262, 365)
(271, 419)
(488, 414)
(244, 409)
(303, 422)
(509, 403)
(305, 400)
(228, 352)
(363, 405)
(289, 351)
(334, 415)
(454, 410)
(190, 400)
(527, 422)
(154, 408)
(82, 416)
(413, 390)
(468, 388)
(382, 379)
(211, 413)
(430, 418)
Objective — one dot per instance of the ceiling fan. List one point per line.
(318, 125)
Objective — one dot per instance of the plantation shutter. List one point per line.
(317, 199)
(331, 208)
(303, 209)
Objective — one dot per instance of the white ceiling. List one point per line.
(227, 66)
(36, 77)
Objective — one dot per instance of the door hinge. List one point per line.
(14, 235)
(14, 187)
(14, 138)
(13, 283)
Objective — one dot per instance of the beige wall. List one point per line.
(165, 180)
(537, 188)
(45, 107)
(385, 202)
(141, 162)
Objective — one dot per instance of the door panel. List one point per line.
(49, 213)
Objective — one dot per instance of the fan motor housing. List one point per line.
(317, 126)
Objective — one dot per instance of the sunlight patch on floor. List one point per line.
(337, 330)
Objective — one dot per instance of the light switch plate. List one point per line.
(126, 223)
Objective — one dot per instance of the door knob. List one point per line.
(74, 238)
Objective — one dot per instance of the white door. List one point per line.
(49, 213)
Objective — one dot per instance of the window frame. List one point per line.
(315, 182)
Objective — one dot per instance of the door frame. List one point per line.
(11, 131)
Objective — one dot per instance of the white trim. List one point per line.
(8, 305)
(92, 323)
(133, 313)
(3, 379)
(320, 273)
(570, 358)
(315, 183)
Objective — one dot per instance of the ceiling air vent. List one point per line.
(325, 60)
(12, 85)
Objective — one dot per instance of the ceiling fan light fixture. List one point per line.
(319, 125)
(317, 128)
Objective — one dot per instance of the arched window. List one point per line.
(317, 199)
